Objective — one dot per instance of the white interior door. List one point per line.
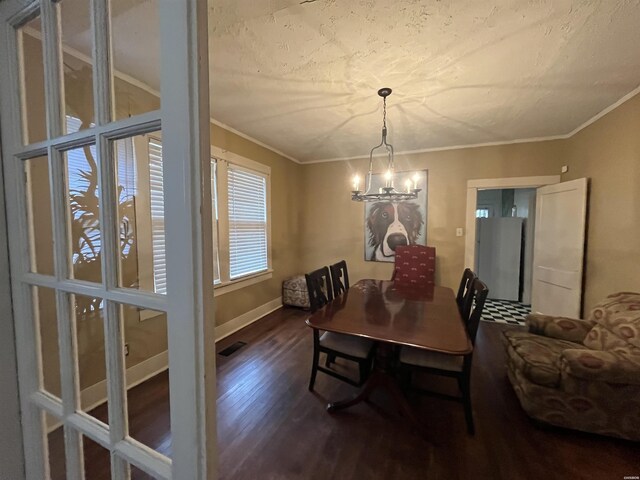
(73, 203)
(558, 257)
(498, 256)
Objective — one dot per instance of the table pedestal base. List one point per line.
(381, 377)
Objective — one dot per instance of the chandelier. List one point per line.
(387, 192)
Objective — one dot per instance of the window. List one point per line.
(241, 191)
(482, 212)
(240, 209)
(247, 222)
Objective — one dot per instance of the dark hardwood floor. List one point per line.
(271, 427)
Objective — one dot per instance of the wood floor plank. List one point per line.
(271, 427)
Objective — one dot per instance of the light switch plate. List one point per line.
(459, 232)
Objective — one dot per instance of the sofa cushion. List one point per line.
(625, 325)
(601, 338)
(537, 357)
(609, 367)
(562, 328)
(616, 302)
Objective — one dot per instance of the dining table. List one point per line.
(394, 315)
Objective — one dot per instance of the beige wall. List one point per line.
(286, 195)
(333, 225)
(608, 152)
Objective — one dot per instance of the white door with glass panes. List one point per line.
(110, 225)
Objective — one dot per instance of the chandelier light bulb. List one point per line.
(408, 185)
(356, 183)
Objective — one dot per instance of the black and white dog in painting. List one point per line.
(391, 225)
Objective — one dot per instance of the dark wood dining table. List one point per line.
(424, 317)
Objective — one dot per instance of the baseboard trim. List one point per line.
(238, 323)
(96, 394)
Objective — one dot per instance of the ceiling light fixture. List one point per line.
(388, 191)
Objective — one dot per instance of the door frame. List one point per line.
(184, 117)
(489, 184)
(12, 455)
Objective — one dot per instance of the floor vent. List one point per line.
(232, 349)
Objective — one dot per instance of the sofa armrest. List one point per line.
(562, 328)
(598, 365)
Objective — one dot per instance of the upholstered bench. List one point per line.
(294, 292)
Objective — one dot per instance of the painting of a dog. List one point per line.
(391, 224)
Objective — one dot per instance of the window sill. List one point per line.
(243, 282)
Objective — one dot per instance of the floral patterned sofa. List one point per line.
(581, 374)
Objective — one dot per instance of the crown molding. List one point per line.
(147, 88)
(565, 136)
(143, 86)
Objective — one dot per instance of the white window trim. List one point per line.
(226, 285)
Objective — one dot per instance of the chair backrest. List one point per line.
(414, 265)
(480, 291)
(339, 277)
(319, 288)
(464, 298)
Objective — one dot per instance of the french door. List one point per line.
(81, 293)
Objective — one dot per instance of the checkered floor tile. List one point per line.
(503, 311)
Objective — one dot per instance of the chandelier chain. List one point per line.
(384, 112)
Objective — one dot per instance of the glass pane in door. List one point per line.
(32, 95)
(140, 205)
(44, 304)
(55, 445)
(83, 194)
(97, 460)
(92, 370)
(38, 194)
(77, 65)
(148, 403)
(136, 56)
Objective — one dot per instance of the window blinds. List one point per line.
(156, 198)
(247, 222)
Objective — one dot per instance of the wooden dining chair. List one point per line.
(464, 298)
(349, 347)
(339, 277)
(456, 366)
(414, 265)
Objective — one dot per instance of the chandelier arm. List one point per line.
(370, 172)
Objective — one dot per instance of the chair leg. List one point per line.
(314, 368)
(466, 399)
(365, 368)
(330, 359)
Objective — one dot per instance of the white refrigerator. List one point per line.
(499, 255)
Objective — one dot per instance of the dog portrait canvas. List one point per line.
(391, 224)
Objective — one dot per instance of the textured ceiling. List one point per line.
(302, 76)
